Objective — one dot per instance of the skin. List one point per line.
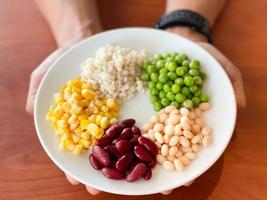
(72, 21)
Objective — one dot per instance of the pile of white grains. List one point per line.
(115, 71)
(179, 135)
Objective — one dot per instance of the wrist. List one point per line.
(188, 33)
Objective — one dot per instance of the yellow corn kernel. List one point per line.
(93, 129)
(84, 124)
(100, 133)
(61, 146)
(70, 147)
(75, 138)
(101, 113)
(66, 116)
(104, 122)
(62, 88)
(50, 118)
(64, 137)
(74, 125)
(77, 82)
(112, 104)
(98, 119)
(77, 149)
(113, 120)
(58, 111)
(58, 98)
(82, 117)
(88, 111)
(70, 84)
(68, 142)
(75, 109)
(84, 103)
(88, 94)
(62, 124)
(76, 90)
(98, 103)
(95, 109)
(108, 115)
(66, 107)
(104, 108)
(114, 114)
(72, 119)
(62, 131)
(67, 96)
(85, 136)
(78, 130)
(84, 142)
(92, 118)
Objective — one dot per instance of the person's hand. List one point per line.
(232, 71)
(35, 80)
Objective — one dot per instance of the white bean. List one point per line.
(170, 158)
(206, 140)
(175, 112)
(154, 119)
(168, 166)
(174, 140)
(179, 154)
(169, 109)
(184, 120)
(199, 122)
(179, 166)
(163, 117)
(158, 127)
(185, 126)
(191, 155)
(159, 137)
(164, 150)
(188, 134)
(147, 126)
(186, 149)
(206, 130)
(196, 139)
(178, 130)
(166, 139)
(192, 115)
(196, 147)
(173, 151)
(184, 111)
(169, 129)
(198, 112)
(158, 145)
(145, 135)
(173, 119)
(151, 135)
(195, 128)
(160, 158)
(184, 141)
(184, 160)
(205, 106)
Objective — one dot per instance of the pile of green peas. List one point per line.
(174, 79)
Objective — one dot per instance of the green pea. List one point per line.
(151, 69)
(154, 91)
(184, 57)
(188, 104)
(189, 96)
(175, 88)
(159, 86)
(197, 93)
(204, 98)
(166, 55)
(179, 81)
(174, 103)
(157, 106)
(165, 102)
(152, 85)
(154, 98)
(178, 60)
(158, 57)
(160, 64)
(171, 75)
(153, 62)
(196, 101)
(163, 78)
(203, 75)
(168, 61)
(146, 64)
(145, 77)
(163, 70)
(193, 72)
(185, 90)
(166, 88)
(154, 77)
(170, 83)
(193, 88)
(180, 71)
(185, 63)
(188, 80)
(180, 97)
(172, 66)
(162, 94)
(197, 80)
(170, 96)
(194, 64)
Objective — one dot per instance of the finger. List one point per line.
(92, 191)
(232, 71)
(189, 183)
(37, 76)
(72, 180)
(167, 192)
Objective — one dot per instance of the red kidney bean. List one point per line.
(152, 163)
(148, 174)
(112, 151)
(128, 122)
(115, 130)
(142, 153)
(113, 173)
(122, 146)
(136, 130)
(101, 155)
(124, 161)
(102, 142)
(134, 141)
(126, 134)
(151, 146)
(136, 173)
(95, 164)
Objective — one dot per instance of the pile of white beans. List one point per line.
(179, 135)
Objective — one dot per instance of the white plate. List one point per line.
(221, 117)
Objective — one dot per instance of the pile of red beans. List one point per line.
(122, 153)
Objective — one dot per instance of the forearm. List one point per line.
(210, 9)
(70, 20)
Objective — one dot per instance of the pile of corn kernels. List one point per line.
(80, 115)
(179, 135)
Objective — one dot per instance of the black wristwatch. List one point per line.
(185, 18)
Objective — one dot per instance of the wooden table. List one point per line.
(26, 172)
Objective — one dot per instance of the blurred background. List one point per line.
(26, 172)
